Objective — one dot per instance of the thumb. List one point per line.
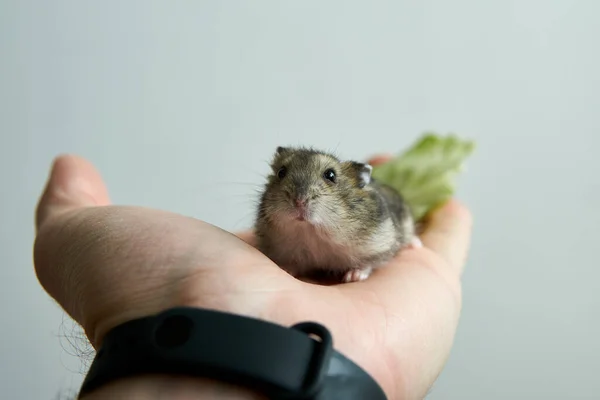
(73, 183)
(448, 233)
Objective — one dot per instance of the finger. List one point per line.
(73, 183)
(448, 233)
(379, 159)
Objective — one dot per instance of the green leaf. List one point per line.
(425, 174)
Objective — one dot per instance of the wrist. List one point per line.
(180, 344)
(156, 387)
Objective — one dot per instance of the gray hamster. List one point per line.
(318, 213)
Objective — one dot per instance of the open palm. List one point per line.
(108, 264)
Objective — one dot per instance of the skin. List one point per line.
(107, 264)
(341, 225)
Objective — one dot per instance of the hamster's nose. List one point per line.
(300, 202)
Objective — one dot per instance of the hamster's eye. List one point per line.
(281, 173)
(329, 175)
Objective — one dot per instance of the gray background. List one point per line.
(181, 103)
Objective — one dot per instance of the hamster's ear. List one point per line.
(280, 154)
(282, 150)
(362, 172)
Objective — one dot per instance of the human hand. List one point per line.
(106, 265)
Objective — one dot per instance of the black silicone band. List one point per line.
(280, 362)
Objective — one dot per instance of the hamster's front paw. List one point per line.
(415, 243)
(357, 275)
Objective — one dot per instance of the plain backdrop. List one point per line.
(181, 103)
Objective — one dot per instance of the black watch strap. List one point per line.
(288, 364)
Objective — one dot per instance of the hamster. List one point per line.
(319, 214)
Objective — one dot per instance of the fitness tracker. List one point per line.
(297, 363)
